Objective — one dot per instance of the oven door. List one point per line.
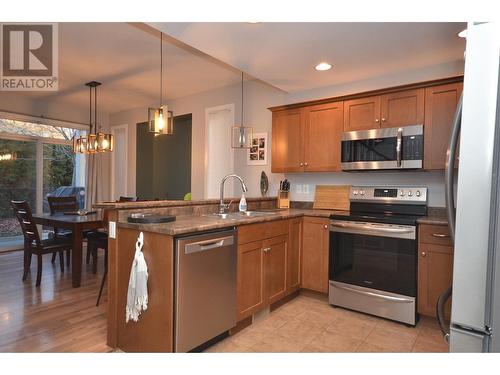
(389, 148)
(374, 255)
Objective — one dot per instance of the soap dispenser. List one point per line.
(243, 203)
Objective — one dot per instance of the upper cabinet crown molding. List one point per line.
(387, 90)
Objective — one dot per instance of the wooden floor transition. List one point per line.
(54, 317)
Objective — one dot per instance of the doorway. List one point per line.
(119, 162)
(219, 154)
(164, 162)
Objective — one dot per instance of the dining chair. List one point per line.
(99, 240)
(32, 242)
(59, 205)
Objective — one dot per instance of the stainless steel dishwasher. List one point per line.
(205, 288)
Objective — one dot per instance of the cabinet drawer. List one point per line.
(261, 231)
(435, 234)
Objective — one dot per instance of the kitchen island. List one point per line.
(297, 237)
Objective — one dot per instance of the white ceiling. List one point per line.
(285, 54)
(126, 60)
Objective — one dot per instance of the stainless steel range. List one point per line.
(373, 252)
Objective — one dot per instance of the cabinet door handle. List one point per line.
(383, 119)
(439, 235)
(267, 249)
(306, 164)
(326, 226)
(301, 164)
(424, 254)
(377, 120)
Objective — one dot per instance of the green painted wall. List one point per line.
(164, 162)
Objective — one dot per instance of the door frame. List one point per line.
(208, 111)
(113, 158)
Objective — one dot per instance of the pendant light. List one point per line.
(8, 156)
(160, 120)
(95, 141)
(241, 136)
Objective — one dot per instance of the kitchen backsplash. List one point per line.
(303, 184)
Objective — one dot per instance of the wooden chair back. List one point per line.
(23, 213)
(62, 204)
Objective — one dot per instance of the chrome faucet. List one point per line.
(224, 207)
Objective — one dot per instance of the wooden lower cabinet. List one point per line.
(294, 255)
(262, 270)
(275, 256)
(435, 269)
(315, 240)
(250, 275)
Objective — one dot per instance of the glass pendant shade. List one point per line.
(160, 121)
(92, 143)
(241, 137)
(104, 142)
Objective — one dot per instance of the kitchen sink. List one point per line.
(240, 215)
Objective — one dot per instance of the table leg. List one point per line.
(76, 261)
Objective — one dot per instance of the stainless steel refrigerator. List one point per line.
(475, 314)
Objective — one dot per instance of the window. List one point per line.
(38, 162)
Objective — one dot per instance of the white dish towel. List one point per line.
(137, 296)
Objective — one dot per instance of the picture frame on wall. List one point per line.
(257, 153)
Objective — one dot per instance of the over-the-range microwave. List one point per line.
(389, 148)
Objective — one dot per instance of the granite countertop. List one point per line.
(172, 203)
(435, 216)
(199, 223)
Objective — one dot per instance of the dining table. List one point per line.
(78, 224)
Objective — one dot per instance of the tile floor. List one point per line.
(307, 324)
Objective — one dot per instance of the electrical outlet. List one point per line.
(112, 229)
(298, 188)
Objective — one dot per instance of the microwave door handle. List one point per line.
(398, 146)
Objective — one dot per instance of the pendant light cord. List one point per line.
(95, 110)
(90, 107)
(161, 69)
(241, 98)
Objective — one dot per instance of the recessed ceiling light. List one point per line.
(463, 34)
(253, 22)
(323, 66)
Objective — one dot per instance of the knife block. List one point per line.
(283, 199)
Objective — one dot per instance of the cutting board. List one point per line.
(332, 197)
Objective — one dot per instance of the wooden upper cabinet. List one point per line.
(440, 105)
(287, 144)
(323, 126)
(362, 114)
(402, 108)
(315, 240)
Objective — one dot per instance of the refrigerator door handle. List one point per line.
(450, 168)
(450, 208)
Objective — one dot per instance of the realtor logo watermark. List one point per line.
(29, 57)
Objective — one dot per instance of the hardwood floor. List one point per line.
(54, 317)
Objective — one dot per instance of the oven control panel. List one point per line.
(403, 194)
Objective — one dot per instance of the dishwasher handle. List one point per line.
(213, 243)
